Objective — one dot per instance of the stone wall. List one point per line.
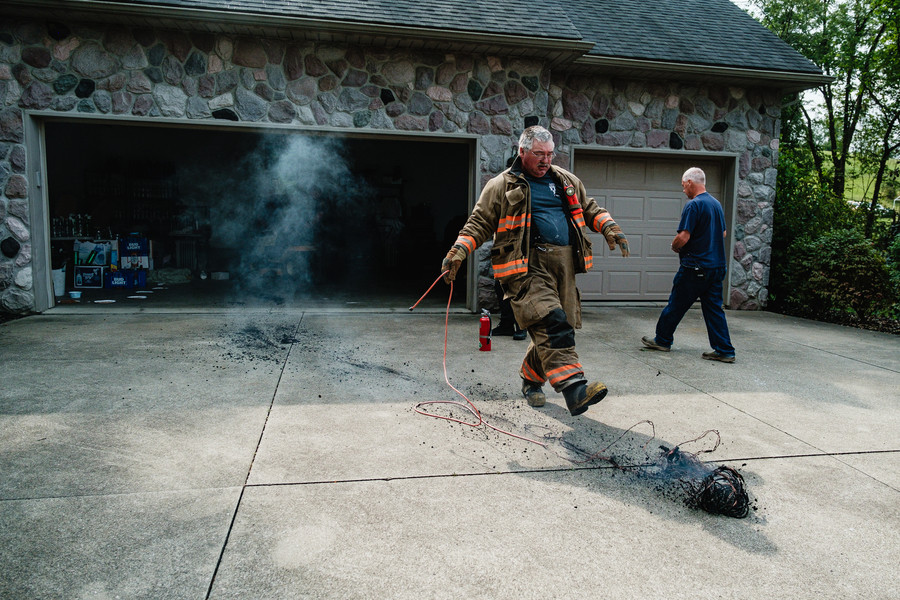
(592, 111)
(108, 70)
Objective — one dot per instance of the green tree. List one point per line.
(805, 205)
(880, 134)
(846, 39)
(822, 265)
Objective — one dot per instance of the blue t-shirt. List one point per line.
(548, 217)
(704, 219)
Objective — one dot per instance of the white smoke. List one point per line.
(280, 210)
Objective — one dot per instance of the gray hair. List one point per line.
(535, 132)
(695, 174)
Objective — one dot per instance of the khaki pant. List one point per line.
(548, 304)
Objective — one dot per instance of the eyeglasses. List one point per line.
(544, 155)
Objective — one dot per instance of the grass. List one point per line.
(859, 186)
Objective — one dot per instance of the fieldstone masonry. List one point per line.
(109, 70)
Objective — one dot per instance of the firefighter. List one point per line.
(537, 213)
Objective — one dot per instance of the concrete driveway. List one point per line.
(277, 453)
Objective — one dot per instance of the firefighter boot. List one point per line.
(518, 333)
(504, 328)
(579, 396)
(534, 393)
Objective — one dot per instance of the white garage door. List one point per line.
(644, 196)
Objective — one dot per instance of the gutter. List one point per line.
(787, 80)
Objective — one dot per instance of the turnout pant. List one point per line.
(547, 304)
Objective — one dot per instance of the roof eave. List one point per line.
(570, 54)
(786, 81)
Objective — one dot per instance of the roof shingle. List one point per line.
(693, 32)
(710, 32)
(510, 17)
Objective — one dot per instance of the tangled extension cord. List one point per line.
(721, 491)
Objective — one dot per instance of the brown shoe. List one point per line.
(579, 396)
(716, 355)
(650, 342)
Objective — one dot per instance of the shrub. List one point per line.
(893, 263)
(837, 271)
(803, 209)
(893, 257)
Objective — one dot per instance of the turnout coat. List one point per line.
(504, 211)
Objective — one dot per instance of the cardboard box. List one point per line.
(88, 276)
(134, 245)
(92, 252)
(134, 253)
(125, 279)
(122, 279)
(135, 261)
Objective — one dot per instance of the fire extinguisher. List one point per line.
(484, 331)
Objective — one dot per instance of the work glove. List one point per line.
(452, 262)
(613, 234)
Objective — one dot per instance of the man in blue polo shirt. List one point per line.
(700, 244)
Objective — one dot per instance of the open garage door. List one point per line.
(643, 193)
(231, 216)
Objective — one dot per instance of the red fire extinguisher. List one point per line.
(484, 331)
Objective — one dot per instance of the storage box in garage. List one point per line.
(134, 245)
(122, 279)
(88, 276)
(92, 252)
(125, 279)
(135, 261)
(134, 252)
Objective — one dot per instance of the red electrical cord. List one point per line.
(721, 492)
(473, 410)
(468, 405)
